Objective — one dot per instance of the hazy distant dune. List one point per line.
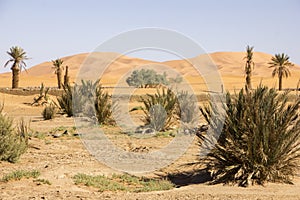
(229, 64)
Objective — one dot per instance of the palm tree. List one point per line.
(58, 70)
(249, 66)
(281, 65)
(18, 55)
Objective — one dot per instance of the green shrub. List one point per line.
(13, 143)
(104, 107)
(260, 140)
(89, 100)
(187, 109)
(160, 109)
(49, 112)
(65, 101)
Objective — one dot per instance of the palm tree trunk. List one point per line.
(59, 79)
(248, 82)
(280, 83)
(15, 75)
(66, 77)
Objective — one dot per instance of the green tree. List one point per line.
(281, 65)
(146, 78)
(18, 56)
(58, 66)
(249, 66)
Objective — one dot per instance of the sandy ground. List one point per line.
(58, 159)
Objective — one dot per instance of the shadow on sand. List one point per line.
(189, 178)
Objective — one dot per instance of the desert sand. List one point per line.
(58, 159)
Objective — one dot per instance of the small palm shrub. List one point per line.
(187, 108)
(260, 140)
(160, 109)
(13, 142)
(49, 112)
(104, 107)
(65, 101)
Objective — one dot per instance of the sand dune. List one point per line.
(115, 67)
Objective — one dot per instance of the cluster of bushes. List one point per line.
(149, 78)
(164, 108)
(88, 99)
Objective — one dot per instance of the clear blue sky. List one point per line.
(48, 29)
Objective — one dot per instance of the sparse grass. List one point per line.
(165, 134)
(42, 181)
(19, 174)
(39, 135)
(124, 182)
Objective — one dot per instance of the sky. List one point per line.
(50, 29)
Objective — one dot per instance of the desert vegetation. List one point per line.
(281, 64)
(87, 99)
(18, 57)
(146, 78)
(58, 66)
(259, 142)
(124, 182)
(13, 140)
(249, 66)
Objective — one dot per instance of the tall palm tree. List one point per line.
(58, 71)
(281, 65)
(18, 55)
(249, 66)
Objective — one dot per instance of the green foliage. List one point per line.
(13, 143)
(88, 99)
(104, 107)
(124, 182)
(146, 78)
(160, 109)
(49, 112)
(18, 55)
(260, 140)
(249, 66)
(19, 174)
(187, 109)
(65, 100)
